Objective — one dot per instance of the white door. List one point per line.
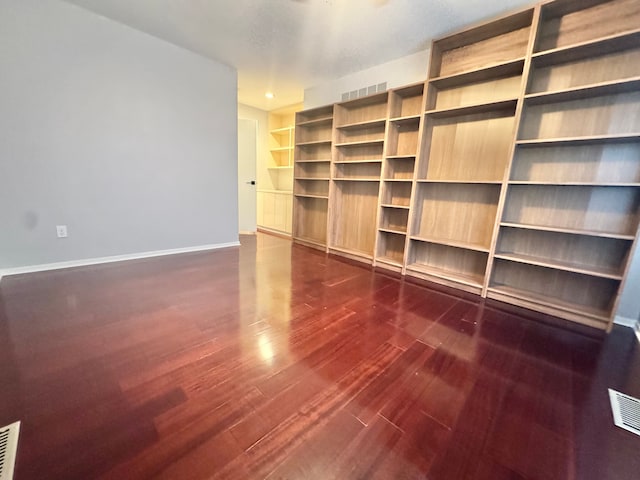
(247, 153)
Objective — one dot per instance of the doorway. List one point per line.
(247, 156)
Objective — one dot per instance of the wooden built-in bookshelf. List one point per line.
(513, 172)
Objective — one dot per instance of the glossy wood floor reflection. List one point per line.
(276, 361)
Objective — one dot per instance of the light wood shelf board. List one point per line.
(557, 265)
(313, 142)
(589, 48)
(281, 149)
(361, 143)
(573, 231)
(408, 120)
(347, 179)
(577, 140)
(471, 280)
(451, 243)
(378, 122)
(586, 91)
(401, 157)
(307, 195)
(350, 251)
(315, 160)
(576, 313)
(575, 184)
(394, 232)
(462, 182)
(400, 207)
(324, 179)
(499, 70)
(316, 122)
(508, 104)
(346, 162)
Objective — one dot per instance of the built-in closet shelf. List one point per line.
(586, 91)
(612, 274)
(452, 243)
(314, 142)
(347, 162)
(408, 120)
(282, 132)
(590, 233)
(545, 301)
(318, 160)
(586, 140)
(397, 180)
(316, 122)
(281, 149)
(378, 122)
(281, 167)
(324, 179)
(361, 143)
(498, 70)
(399, 207)
(308, 195)
(463, 278)
(590, 48)
(509, 104)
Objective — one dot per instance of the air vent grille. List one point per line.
(363, 92)
(626, 411)
(8, 449)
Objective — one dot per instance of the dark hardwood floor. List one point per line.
(276, 361)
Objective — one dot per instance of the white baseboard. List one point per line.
(624, 321)
(115, 258)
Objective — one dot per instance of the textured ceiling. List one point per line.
(287, 45)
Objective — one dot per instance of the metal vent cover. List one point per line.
(626, 411)
(8, 449)
(363, 92)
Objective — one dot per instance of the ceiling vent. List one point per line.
(8, 449)
(363, 92)
(626, 411)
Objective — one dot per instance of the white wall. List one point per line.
(127, 139)
(397, 73)
(629, 307)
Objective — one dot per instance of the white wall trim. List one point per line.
(111, 259)
(624, 321)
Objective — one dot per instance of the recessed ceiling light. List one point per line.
(269, 95)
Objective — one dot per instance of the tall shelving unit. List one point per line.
(472, 94)
(406, 105)
(312, 173)
(512, 173)
(570, 217)
(359, 132)
(274, 194)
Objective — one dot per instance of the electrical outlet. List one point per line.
(61, 231)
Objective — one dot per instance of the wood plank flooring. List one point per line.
(275, 361)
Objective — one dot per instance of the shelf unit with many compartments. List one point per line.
(513, 172)
(312, 170)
